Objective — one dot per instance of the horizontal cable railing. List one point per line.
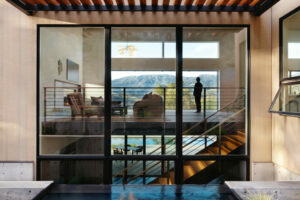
(54, 103)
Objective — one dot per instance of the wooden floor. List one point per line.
(170, 116)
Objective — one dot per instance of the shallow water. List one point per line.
(138, 192)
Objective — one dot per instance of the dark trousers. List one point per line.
(198, 102)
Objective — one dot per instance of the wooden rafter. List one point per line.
(166, 2)
(154, 3)
(210, 2)
(97, 2)
(257, 7)
(233, 2)
(244, 2)
(76, 2)
(108, 2)
(254, 2)
(87, 2)
(131, 2)
(221, 2)
(42, 2)
(143, 3)
(177, 3)
(53, 2)
(200, 2)
(188, 2)
(120, 3)
(65, 2)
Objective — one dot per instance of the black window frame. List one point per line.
(284, 80)
(179, 158)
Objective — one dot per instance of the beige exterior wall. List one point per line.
(18, 70)
(286, 130)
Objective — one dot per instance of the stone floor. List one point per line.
(22, 190)
(275, 190)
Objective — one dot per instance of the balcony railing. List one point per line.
(54, 103)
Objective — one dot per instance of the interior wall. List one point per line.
(17, 85)
(286, 130)
(59, 44)
(93, 56)
(18, 70)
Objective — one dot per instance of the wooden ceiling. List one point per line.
(257, 7)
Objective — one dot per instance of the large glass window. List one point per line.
(290, 45)
(287, 98)
(143, 94)
(71, 90)
(214, 101)
(143, 126)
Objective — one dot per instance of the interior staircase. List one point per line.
(230, 138)
(228, 145)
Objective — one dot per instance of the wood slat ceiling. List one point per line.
(255, 6)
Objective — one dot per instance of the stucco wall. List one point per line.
(18, 70)
(286, 130)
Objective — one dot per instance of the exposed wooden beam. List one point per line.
(120, 3)
(65, 2)
(254, 2)
(53, 2)
(76, 2)
(221, 2)
(233, 2)
(154, 3)
(143, 3)
(97, 2)
(87, 2)
(108, 2)
(210, 2)
(166, 2)
(244, 3)
(264, 6)
(188, 2)
(255, 6)
(177, 3)
(131, 3)
(200, 2)
(41, 2)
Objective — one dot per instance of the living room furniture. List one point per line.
(78, 107)
(150, 106)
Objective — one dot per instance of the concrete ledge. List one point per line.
(16, 170)
(22, 190)
(275, 190)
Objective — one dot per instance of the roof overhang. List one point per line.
(257, 7)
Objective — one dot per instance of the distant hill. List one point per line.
(207, 80)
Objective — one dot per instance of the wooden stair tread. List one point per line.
(228, 144)
(238, 138)
(232, 140)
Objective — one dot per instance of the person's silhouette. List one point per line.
(197, 94)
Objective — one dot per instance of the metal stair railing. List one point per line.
(205, 133)
(123, 171)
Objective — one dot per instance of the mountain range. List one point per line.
(208, 80)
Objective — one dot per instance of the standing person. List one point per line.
(197, 94)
